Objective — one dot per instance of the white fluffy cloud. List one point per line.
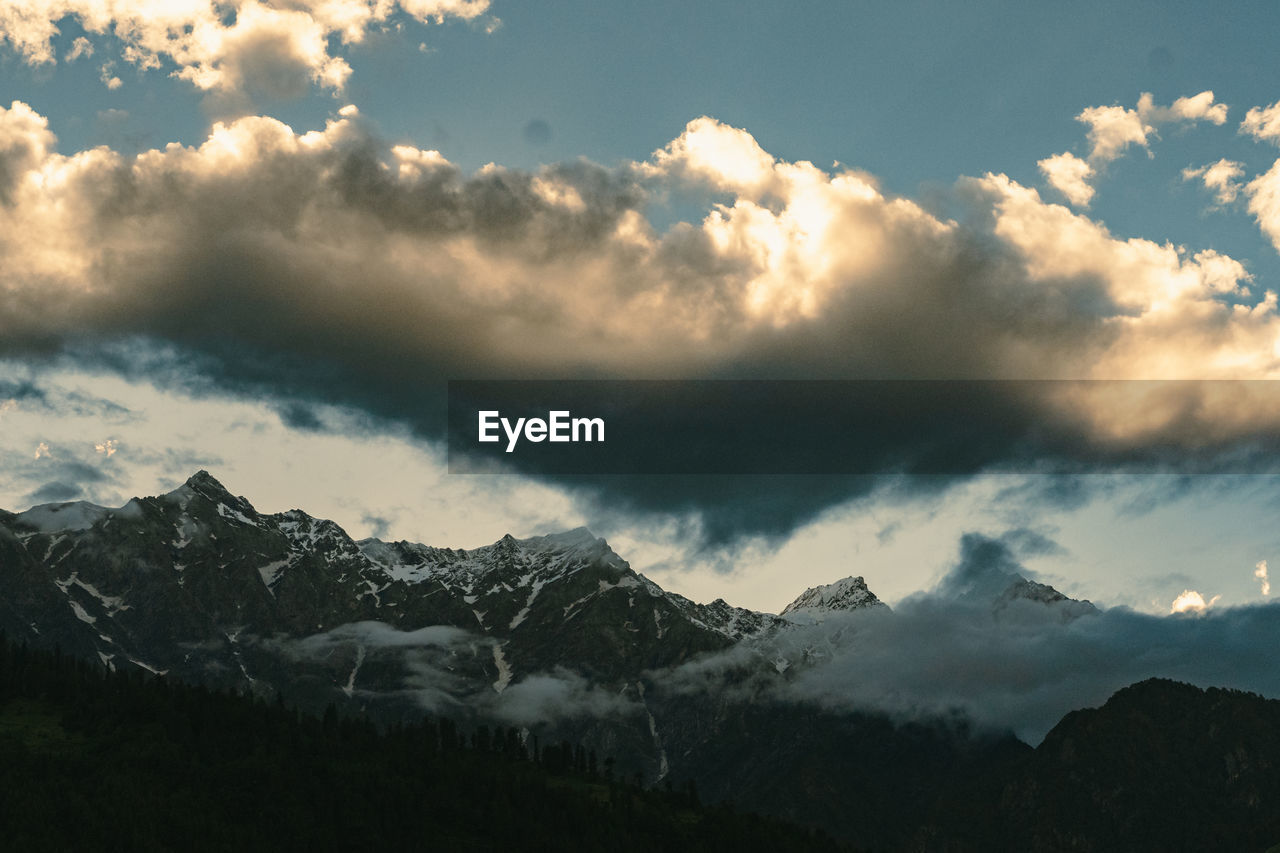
(1190, 601)
(1069, 175)
(1221, 178)
(1263, 193)
(1260, 572)
(1199, 107)
(1263, 123)
(1112, 129)
(276, 46)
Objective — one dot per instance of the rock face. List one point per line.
(554, 634)
(198, 584)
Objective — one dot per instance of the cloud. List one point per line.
(382, 636)
(986, 569)
(436, 663)
(378, 525)
(1017, 665)
(80, 47)
(556, 696)
(1263, 123)
(1221, 178)
(1113, 129)
(1199, 107)
(330, 266)
(442, 666)
(1260, 572)
(60, 402)
(1263, 193)
(108, 77)
(1069, 175)
(55, 492)
(1190, 601)
(277, 48)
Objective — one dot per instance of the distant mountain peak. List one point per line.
(849, 593)
(1028, 590)
(205, 483)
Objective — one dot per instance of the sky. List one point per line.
(259, 238)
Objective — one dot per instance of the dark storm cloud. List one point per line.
(1026, 542)
(297, 415)
(53, 493)
(986, 568)
(66, 471)
(57, 402)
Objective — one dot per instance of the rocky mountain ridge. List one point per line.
(221, 569)
(554, 634)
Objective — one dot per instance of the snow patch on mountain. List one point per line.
(271, 573)
(504, 669)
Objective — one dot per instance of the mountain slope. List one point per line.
(227, 577)
(1161, 766)
(91, 760)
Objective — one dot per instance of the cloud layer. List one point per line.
(315, 242)
(332, 265)
(1005, 662)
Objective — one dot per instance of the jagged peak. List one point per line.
(205, 485)
(579, 541)
(204, 478)
(848, 593)
(200, 483)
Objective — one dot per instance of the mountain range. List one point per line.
(558, 636)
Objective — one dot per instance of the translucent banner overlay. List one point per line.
(929, 427)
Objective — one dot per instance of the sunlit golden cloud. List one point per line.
(281, 48)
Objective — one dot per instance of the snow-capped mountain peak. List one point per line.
(846, 594)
